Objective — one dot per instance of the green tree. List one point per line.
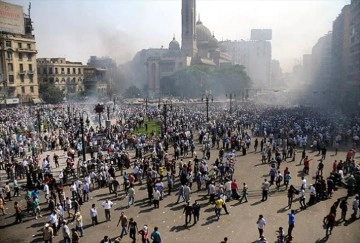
(132, 92)
(51, 94)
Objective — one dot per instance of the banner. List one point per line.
(11, 18)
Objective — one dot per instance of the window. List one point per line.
(20, 56)
(38, 70)
(79, 70)
(31, 89)
(45, 80)
(44, 71)
(74, 70)
(56, 70)
(11, 79)
(29, 46)
(23, 90)
(30, 67)
(51, 80)
(22, 78)
(10, 67)
(29, 56)
(68, 70)
(50, 70)
(9, 55)
(31, 79)
(21, 66)
(62, 71)
(56, 80)
(8, 43)
(20, 45)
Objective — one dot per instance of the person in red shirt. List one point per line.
(334, 166)
(306, 165)
(234, 190)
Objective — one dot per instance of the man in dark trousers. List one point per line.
(188, 210)
(196, 211)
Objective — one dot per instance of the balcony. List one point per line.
(22, 49)
(30, 72)
(22, 72)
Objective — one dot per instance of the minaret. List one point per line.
(188, 21)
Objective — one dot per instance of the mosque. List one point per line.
(198, 47)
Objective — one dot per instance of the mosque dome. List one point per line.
(174, 45)
(202, 32)
(213, 42)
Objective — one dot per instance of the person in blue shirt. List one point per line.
(291, 223)
(155, 235)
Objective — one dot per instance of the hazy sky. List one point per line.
(77, 29)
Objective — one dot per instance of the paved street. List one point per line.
(239, 226)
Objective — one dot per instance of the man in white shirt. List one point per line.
(261, 225)
(107, 206)
(302, 199)
(53, 220)
(46, 191)
(228, 189)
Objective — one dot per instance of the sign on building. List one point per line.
(11, 18)
(12, 101)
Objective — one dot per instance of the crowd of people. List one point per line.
(122, 159)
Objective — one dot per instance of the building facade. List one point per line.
(255, 56)
(65, 75)
(340, 50)
(18, 76)
(354, 54)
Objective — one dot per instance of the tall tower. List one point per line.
(188, 21)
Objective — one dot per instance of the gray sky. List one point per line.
(77, 29)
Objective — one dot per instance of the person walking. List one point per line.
(196, 211)
(75, 238)
(18, 213)
(261, 222)
(291, 223)
(107, 206)
(155, 235)
(329, 221)
(218, 206)
(144, 234)
(48, 233)
(355, 207)
(302, 199)
(156, 198)
(93, 215)
(66, 232)
(265, 190)
(79, 224)
(124, 224)
(344, 208)
(131, 195)
(188, 210)
(133, 229)
(244, 193)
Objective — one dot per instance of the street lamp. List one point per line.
(207, 97)
(81, 116)
(68, 111)
(39, 120)
(166, 103)
(231, 95)
(99, 109)
(146, 100)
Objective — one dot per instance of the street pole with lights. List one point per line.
(39, 120)
(99, 109)
(81, 116)
(166, 103)
(231, 96)
(207, 97)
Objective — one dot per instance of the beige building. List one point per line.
(65, 75)
(18, 77)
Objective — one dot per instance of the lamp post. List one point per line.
(114, 105)
(207, 97)
(166, 103)
(146, 100)
(108, 112)
(81, 116)
(99, 109)
(39, 120)
(68, 111)
(231, 95)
